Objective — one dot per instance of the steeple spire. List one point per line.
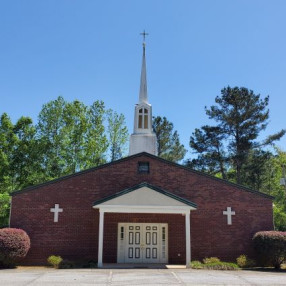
(143, 139)
(143, 96)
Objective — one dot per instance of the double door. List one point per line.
(142, 243)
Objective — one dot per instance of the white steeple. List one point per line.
(143, 96)
(143, 138)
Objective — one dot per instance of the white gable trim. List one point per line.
(145, 209)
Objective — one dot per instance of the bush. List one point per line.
(14, 246)
(66, 264)
(211, 260)
(244, 262)
(221, 266)
(197, 264)
(55, 261)
(213, 263)
(270, 247)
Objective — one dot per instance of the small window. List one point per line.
(143, 168)
(145, 121)
(143, 118)
(122, 233)
(140, 122)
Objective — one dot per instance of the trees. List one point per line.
(169, 146)
(26, 156)
(83, 135)
(19, 164)
(207, 141)
(117, 134)
(276, 189)
(7, 138)
(72, 136)
(50, 133)
(240, 116)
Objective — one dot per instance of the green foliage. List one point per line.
(270, 184)
(208, 143)
(244, 262)
(72, 136)
(14, 246)
(270, 247)
(117, 134)
(208, 260)
(66, 264)
(240, 116)
(54, 261)
(19, 159)
(279, 218)
(221, 266)
(255, 172)
(4, 208)
(197, 264)
(90, 264)
(213, 263)
(50, 131)
(97, 144)
(168, 141)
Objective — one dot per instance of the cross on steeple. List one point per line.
(144, 34)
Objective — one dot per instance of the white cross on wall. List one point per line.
(229, 213)
(56, 210)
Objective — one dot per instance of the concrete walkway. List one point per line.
(47, 276)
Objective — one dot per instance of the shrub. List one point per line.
(213, 263)
(88, 264)
(197, 264)
(66, 264)
(14, 246)
(92, 264)
(211, 260)
(221, 266)
(55, 261)
(270, 247)
(244, 262)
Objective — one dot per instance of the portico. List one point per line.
(144, 199)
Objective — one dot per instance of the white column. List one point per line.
(100, 238)
(188, 239)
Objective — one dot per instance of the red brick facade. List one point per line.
(75, 236)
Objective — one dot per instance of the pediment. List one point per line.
(145, 195)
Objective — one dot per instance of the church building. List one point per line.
(140, 209)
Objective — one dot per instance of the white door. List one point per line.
(142, 243)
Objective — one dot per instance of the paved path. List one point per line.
(46, 276)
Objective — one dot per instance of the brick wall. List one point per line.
(75, 236)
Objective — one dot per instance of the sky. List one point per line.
(92, 50)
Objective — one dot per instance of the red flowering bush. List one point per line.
(270, 247)
(14, 246)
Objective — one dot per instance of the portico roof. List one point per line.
(145, 195)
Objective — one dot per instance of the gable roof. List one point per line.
(152, 187)
(140, 155)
